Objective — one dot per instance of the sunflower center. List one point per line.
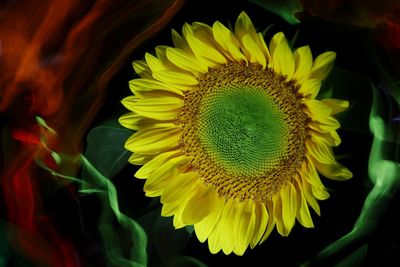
(244, 130)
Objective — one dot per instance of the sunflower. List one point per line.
(230, 133)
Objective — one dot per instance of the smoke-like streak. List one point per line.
(384, 174)
(134, 240)
(137, 255)
(30, 230)
(57, 58)
(363, 13)
(143, 19)
(383, 16)
(287, 9)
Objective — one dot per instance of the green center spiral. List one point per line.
(242, 129)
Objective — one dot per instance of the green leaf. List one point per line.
(105, 148)
(284, 8)
(356, 258)
(125, 240)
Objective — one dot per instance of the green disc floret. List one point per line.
(242, 129)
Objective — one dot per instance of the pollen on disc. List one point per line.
(242, 129)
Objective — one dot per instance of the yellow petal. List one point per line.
(130, 120)
(186, 61)
(137, 122)
(331, 137)
(303, 60)
(320, 150)
(253, 45)
(278, 210)
(226, 231)
(245, 232)
(177, 192)
(170, 208)
(214, 240)
(153, 164)
(153, 140)
(179, 186)
(175, 77)
(304, 216)
(235, 226)
(140, 159)
(333, 170)
(253, 51)
(226, 39)
(204, 51)
(187, 29)
(244, 26)
(289, 206)
(141, 68)
(310, 174)
(203, 32)
(130, 101)
(310, 88)
(328, 121)
(205, 227)
(174, 209)
(323, 64)
(159, 178)
(283, 61)
(307, 191)
(161, 52)
(276, 40)
(149, 85)
(332, 125)
(317, 110)
(323, 144)
(200, 204)
(321, 113)
(177, 221)
(263, 46)
(336, 105)
(303, 213)
(179, 42)
(161, 108)
(261, 221)
(154, 63)
(271, 223)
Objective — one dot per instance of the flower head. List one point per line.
(230, 133)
